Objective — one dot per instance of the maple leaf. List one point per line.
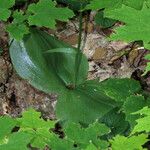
(99, 4)
(7, 124)
(133, 104)
(83, 136)
(4, 9)
(17, 141)
(129, 143)
(18, 28)
(138, 4)
(143, 123)
(45, 13)
(56, 143)
(32, 123)
(136, 26)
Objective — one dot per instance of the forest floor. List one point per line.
(106, 60)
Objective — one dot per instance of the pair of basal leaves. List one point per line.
(49, 65)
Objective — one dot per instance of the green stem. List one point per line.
(80, 31)
(79, 54)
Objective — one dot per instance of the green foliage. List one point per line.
(143, 123)
(4, 9)
(113, 88)
(18, 29)
(115, 120)
(42, 69)
(88, 101)
(129, 143)
(42, 14)
(133, 104)
(75, 4)
(99, 4)
(82, 137)
(136, 24)
(103, 21)
(50, 66)
(39, 55)
(34, 131)
(16, 141)
(31, 123)
(45, 13)
(7, 125)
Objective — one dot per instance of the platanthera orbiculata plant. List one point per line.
(53, 66)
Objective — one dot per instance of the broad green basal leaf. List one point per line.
(84, 104)
(40, 59)
(45, 13)
(65, 66)
(31, 62)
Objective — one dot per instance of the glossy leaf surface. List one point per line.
(42, 70)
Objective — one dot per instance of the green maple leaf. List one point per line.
(32, 119)
(41, 137)
(84, 136)
(17, 141)
(99, 4)
(133, 104)
(138, 4)
(91, 147)
(18, 28)
(136, 26)
(143, 123)
(32, 123)
(128, 143)
(4, 9)
(56, 143)
(45, 13)
(7, 124)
